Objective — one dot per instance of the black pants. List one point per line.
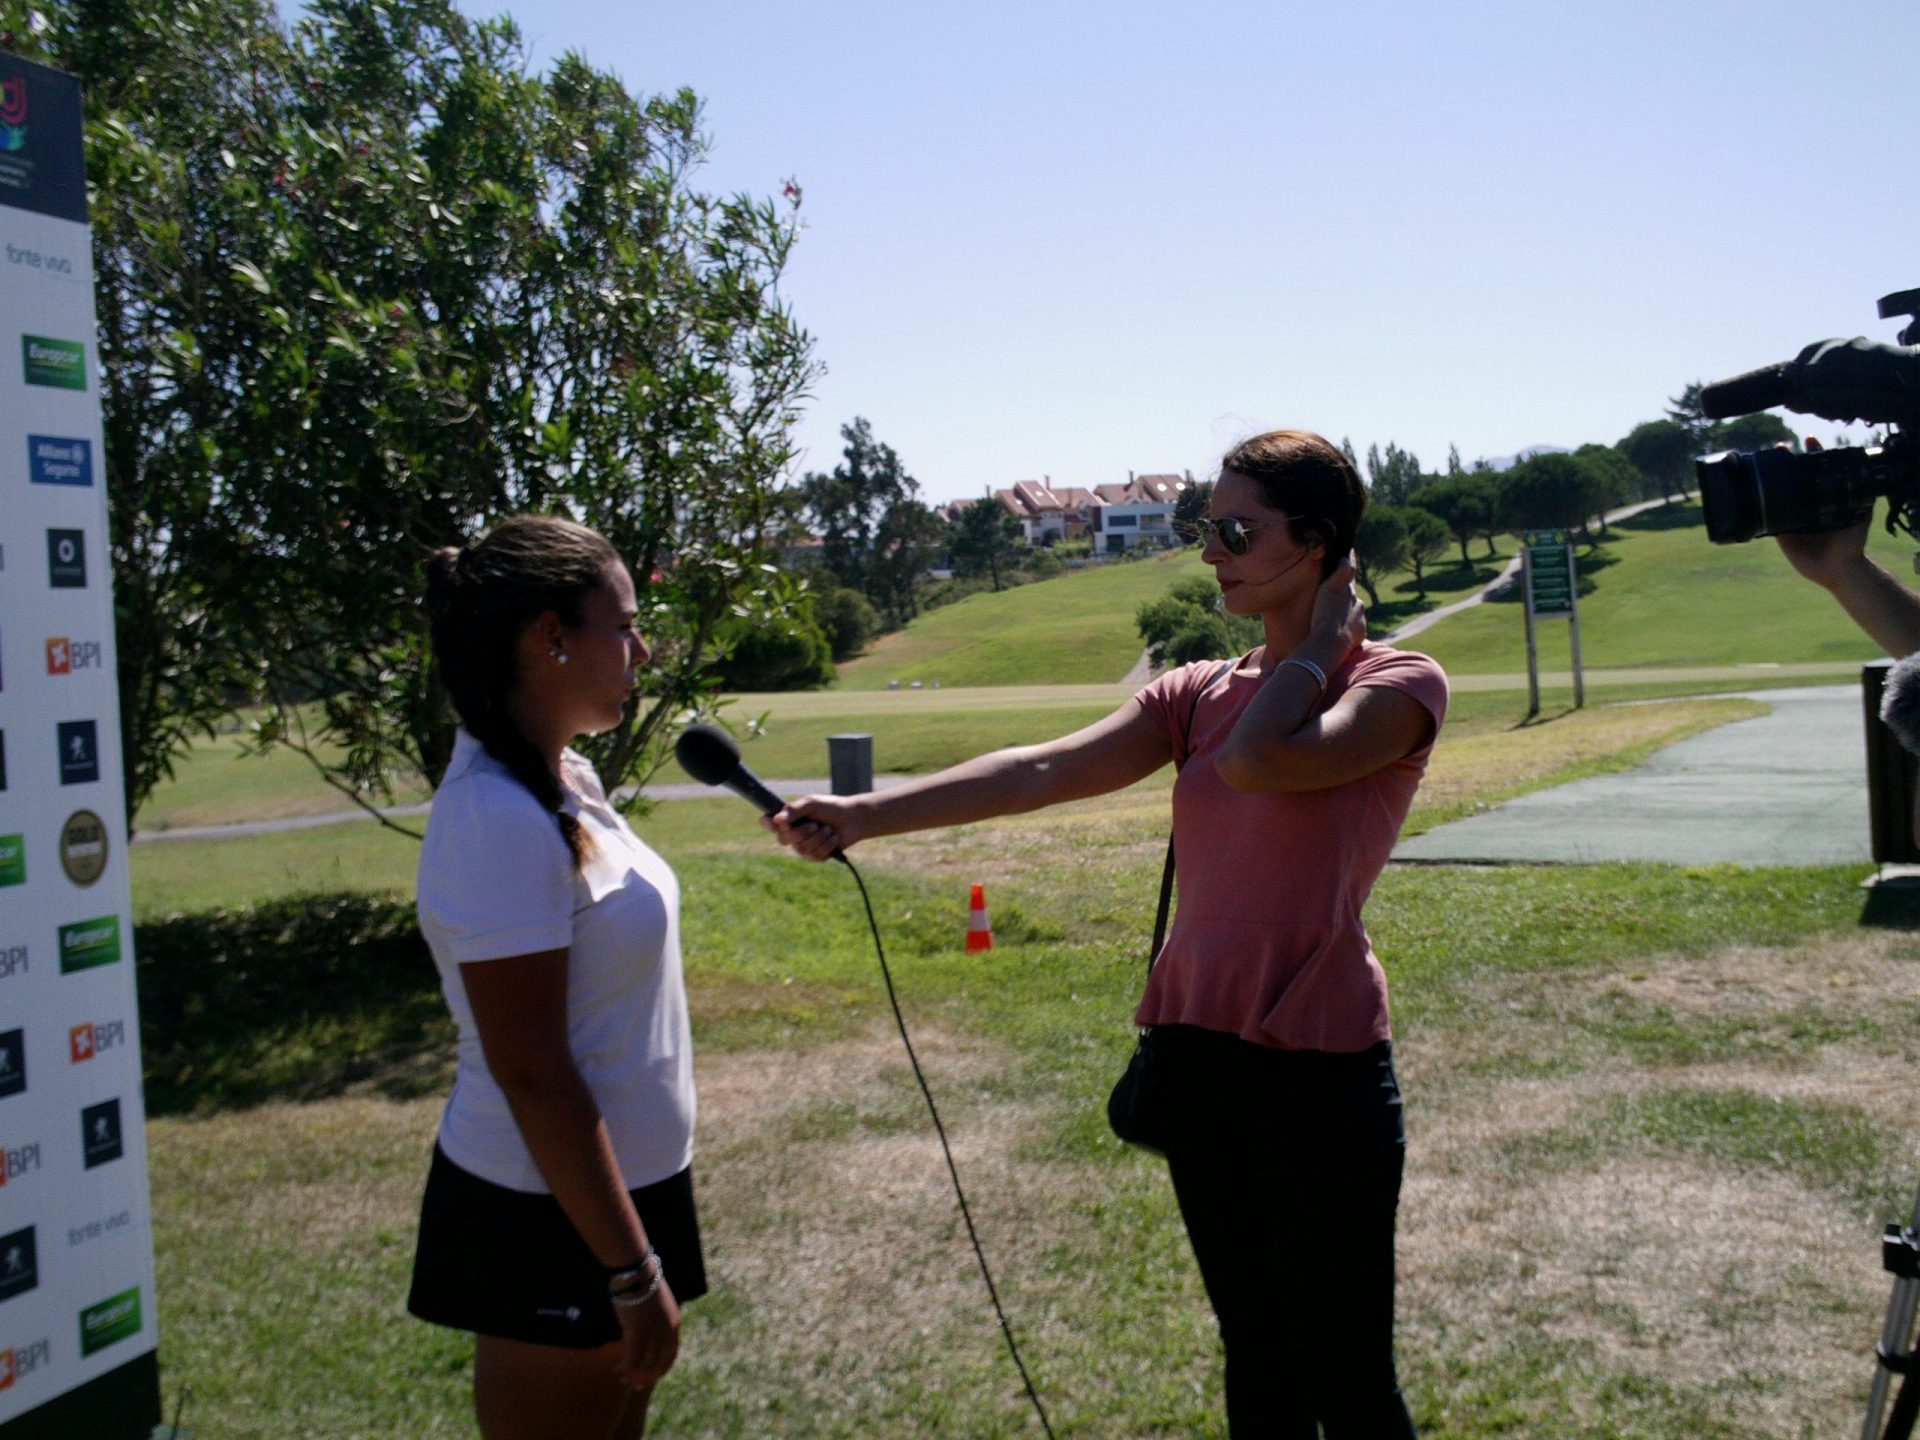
(1288, 1183)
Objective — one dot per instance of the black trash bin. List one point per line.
(1892, 774)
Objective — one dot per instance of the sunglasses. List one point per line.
(1230, 530)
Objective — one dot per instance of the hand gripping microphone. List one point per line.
(708, 754)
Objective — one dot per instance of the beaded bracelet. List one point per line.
(637, 1295)
(626, 1277)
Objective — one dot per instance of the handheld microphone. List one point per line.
(1900, 703)
(708, 754)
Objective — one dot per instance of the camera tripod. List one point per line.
(1900, 1254)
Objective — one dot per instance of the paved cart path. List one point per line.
(1787, 788)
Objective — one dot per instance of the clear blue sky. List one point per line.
(1077, 239)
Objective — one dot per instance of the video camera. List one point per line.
(1773, 492)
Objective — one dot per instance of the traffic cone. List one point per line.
(979, 928)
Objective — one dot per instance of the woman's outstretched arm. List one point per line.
(1109, 754)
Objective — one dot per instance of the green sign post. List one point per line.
(1552, 582)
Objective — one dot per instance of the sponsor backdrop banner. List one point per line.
(77, 1334)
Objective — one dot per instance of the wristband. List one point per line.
(1319, 675)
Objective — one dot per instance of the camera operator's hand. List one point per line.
(1826, 557)
(1837, 561)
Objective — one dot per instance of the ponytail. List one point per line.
(479, 600)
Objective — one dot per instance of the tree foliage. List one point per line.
(1380, 547)
(1427, 536)
(1466, 504)
(1548, 491)
(1188, 624)
(1663, 452)
(367, 285)
(1393, 478)
(985, 540)
(877, 537)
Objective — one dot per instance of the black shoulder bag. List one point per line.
(1142, 1109)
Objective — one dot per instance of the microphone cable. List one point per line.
(966, 1212)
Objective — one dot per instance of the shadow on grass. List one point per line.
(296, 999)
(1893, 906)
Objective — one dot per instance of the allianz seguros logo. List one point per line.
(13, 113)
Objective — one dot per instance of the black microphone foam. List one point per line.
(1900, 702)
(709, 755)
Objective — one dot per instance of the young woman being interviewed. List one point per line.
(1268, 1007)
(558, 1223)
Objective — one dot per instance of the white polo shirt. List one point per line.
(496, 881)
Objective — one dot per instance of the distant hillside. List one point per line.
(1076, 629)
(1662, 595)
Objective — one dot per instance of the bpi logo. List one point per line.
(65, 656)
(13, 113)
(19, 1361)
(86, 1041)
(19, 1161)
(13, 961)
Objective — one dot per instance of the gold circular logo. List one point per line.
(83, 847)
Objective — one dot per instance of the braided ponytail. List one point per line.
(479, 600)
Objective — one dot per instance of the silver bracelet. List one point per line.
(628, 1276)
(1319, 675)
(631, 1299)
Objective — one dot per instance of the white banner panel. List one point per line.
(78, 1336)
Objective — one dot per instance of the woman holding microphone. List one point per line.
(1297, 765)
(558, 1223)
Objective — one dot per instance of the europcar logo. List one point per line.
(13, 859)
(59, 364)
(89, 943)
(115, 1318)
(13, 113)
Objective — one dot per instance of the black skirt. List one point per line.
(510, 1264)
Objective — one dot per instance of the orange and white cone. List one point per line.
(979, 928)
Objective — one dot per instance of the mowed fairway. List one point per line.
(1662, 596)
(1076, 629)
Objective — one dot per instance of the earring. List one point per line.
(558, 655)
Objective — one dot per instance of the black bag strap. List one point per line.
(1166, 872)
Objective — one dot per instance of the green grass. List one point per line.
(1661, 595)
(296, 1051)
(1074, 629)
(219, 779)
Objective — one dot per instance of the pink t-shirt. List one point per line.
(1267, 943)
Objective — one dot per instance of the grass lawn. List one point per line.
(1661, 595)
(1657, 1118)
(1074, 629)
